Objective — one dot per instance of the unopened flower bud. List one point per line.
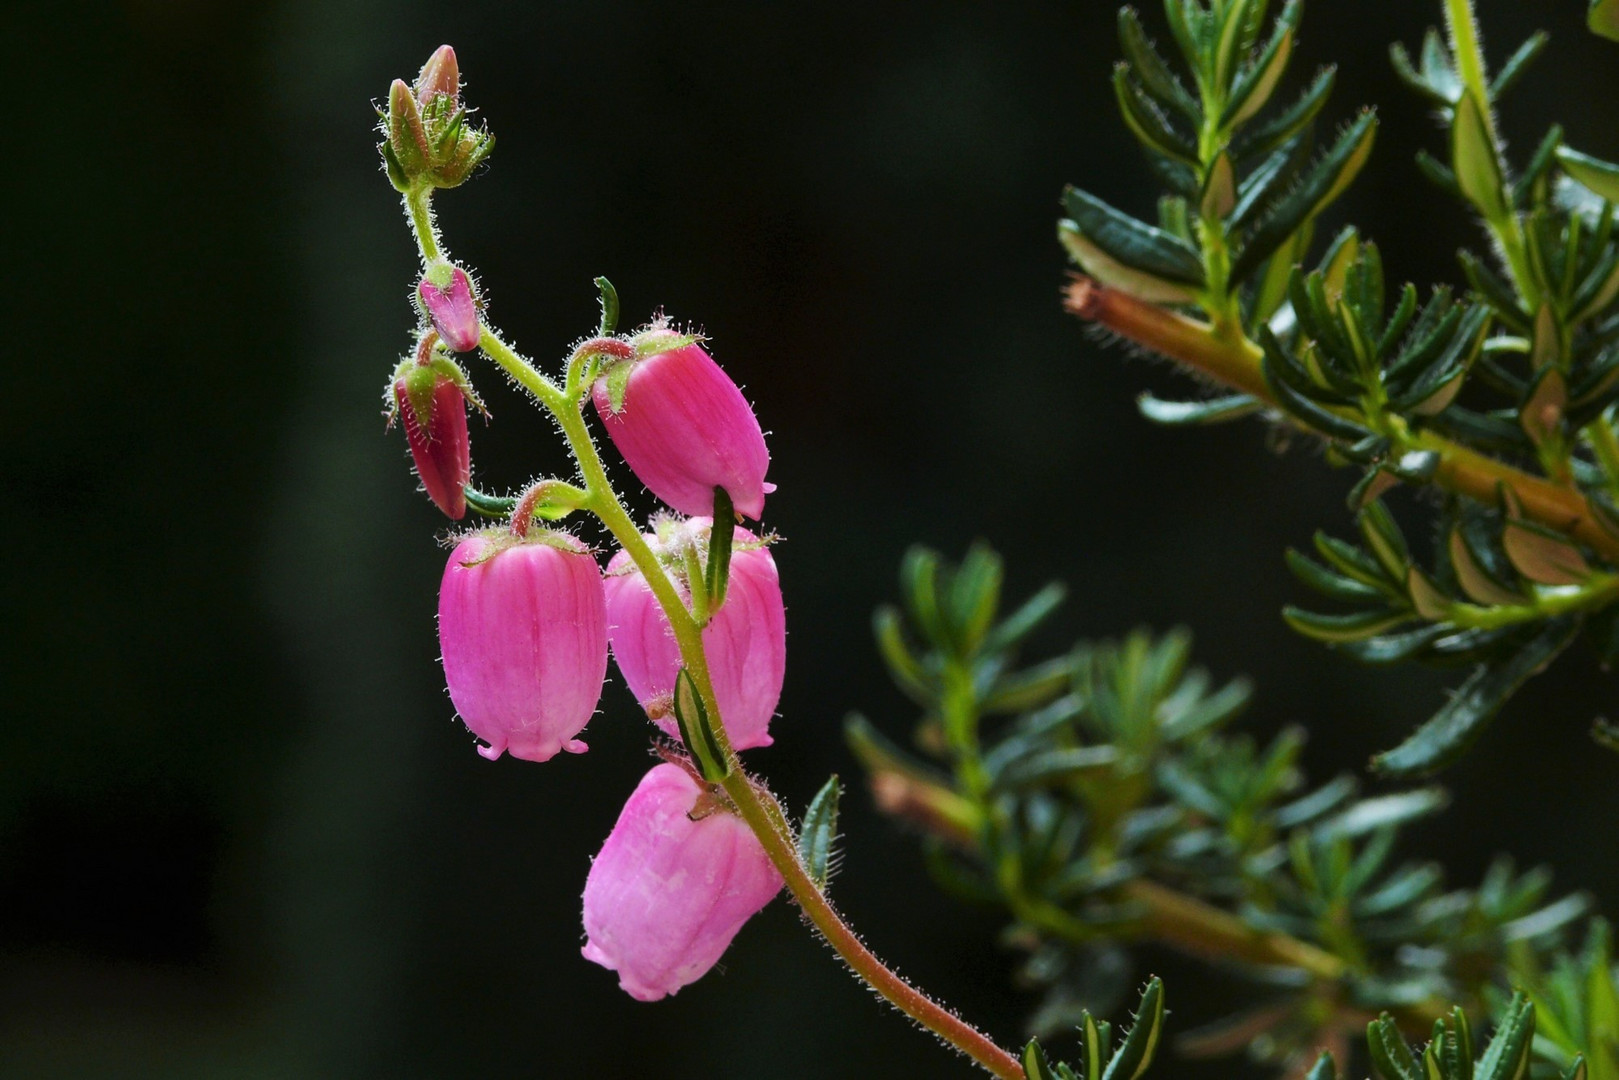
(523, 631)
(668, 893)
(433, 408)
(440, 76)
(445, 292)
(684, 429)
(745, 641)
(429, 141)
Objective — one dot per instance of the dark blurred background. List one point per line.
(240, 834)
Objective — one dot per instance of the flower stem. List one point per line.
(1236, 362)
(754, 805)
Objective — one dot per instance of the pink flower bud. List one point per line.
(745, 641)
(668, 893)
(684, 429)
(446, 296)
(441, 75)
(434, 410)
(523, 629)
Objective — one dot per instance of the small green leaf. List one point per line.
(1334, 629)
(1476, 582)
(1147, 121)
(1598, 176)
(1220, 192)
(1287, 124)
(903, 665)
(1385, 811)
(1389, 1051)
(1136, 1051)
(1323, 1068)
(1517, 64)
(1254, 86)
(1507, 1056)
(1426, 598)
(820, 831)
(1010, 631)
(1058, 767)
(1182, 413)
(1542, 556)
(1473, 157)
(1150, 68)
(1603, 18)
(1324, 581)
(1320, 186)
(1134, 243)
(1035, 1064)
(1448, 733)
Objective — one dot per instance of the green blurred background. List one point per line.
(240, 834)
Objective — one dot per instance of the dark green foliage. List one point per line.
(1522, 365)
(1248, 186)
(1100, 798)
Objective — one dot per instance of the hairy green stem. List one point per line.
(755, 805)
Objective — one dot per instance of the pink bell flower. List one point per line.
(523, 630)
(745, 641)
(685, 429)
(445, 293)
(436, 428)
(668, 893)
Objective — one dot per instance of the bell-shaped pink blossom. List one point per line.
(745, 641)
(434, 411)
(668, 893)
(685, 429)
(445, 292)
(522, 625)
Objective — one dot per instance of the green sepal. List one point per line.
(1133, 243)
(820, 831)
(1449, 732)
(618, 382)
(609, 303)
(490, 506)
(1320, 186)
(697, 730)
(721, 535)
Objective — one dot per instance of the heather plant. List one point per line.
(1105, 797)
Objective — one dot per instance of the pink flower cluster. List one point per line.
(526, 621)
